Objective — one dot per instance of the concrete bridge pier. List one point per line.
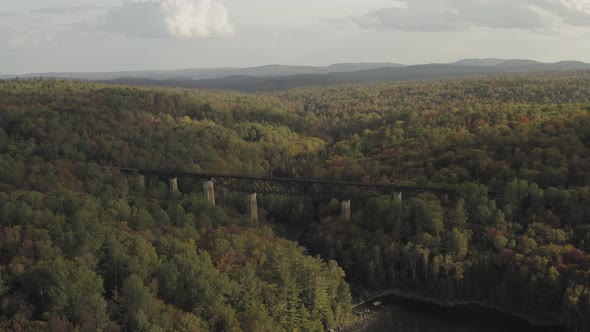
(252, 204)
(346, 212)
(209, 189)
(397, 196)
(141, 181)
(173, 185)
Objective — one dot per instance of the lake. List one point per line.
(404, 315)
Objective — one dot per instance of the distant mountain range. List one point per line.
(212, 73)
(276, 77)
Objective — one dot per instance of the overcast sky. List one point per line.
(112, 35)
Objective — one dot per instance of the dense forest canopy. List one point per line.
(88, 247)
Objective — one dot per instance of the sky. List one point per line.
(116, 35)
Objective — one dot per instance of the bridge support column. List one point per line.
(141, 182)
(397, 196)
(346, 213)
(252, 203)
(173, 185)
(209, 189)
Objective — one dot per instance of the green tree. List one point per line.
(138, 305)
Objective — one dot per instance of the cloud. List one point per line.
(449, 15)
(170, 18)
(572, 12)
(32, 39)
(9, 14)
(46, 27)
(60, 10)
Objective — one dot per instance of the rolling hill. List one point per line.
(248, 83)
(278, 77)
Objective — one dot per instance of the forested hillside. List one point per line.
(84, 246)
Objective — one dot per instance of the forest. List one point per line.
(87, 248)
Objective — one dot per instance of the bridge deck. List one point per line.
(291, 186)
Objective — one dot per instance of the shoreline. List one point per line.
(362, 313)
(373, 297)
(532, 320)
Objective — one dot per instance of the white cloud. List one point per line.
(572, 12)
(170, 18)
(450, 15)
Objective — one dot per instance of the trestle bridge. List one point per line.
(252, 185)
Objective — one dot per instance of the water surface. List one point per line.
(413, 316)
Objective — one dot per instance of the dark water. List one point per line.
(412, 316)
